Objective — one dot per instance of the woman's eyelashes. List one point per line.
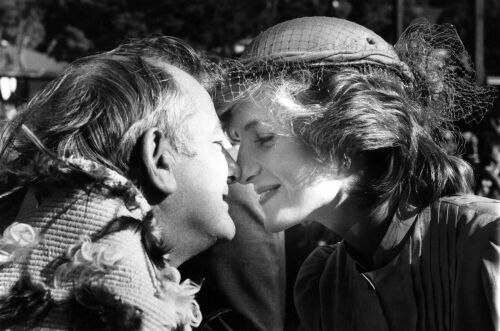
(233, 136)
(265, 140)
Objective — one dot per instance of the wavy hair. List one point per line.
(368, 115)
(98, 108)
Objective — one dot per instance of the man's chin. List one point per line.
(228, 231)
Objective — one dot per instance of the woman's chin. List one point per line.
(273, 224)
(274, 228)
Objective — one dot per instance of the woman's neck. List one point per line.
(362, 229)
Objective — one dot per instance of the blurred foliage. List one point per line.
(67, 29)
(207, 24)
(460, 13)
(378, 15)
(21, 22)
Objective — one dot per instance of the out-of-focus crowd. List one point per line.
(482, 150)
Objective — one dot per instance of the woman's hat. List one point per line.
(322, 40)
(430, 59)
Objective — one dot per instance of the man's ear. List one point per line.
(157, 158)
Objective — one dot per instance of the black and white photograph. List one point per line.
(237, 165)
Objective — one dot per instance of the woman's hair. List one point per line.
(342, 89)
(98, 108)
(366, 114)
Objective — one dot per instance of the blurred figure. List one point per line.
(488, 170)
(7, 112)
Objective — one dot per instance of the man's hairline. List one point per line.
(183, 114)
(173, 71)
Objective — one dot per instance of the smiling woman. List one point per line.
(290, 181)
(336, 125)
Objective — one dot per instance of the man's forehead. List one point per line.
(199, 97)
(187, 83)
(177, 73)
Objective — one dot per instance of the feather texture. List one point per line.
(26, 304)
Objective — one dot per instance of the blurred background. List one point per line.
(39, 36)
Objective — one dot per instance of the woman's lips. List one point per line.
(265, 193)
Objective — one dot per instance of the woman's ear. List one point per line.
(157, 158)
(347, 163)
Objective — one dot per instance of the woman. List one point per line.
(337, 126)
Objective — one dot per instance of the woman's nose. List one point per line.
(248, 168)
(234, 172)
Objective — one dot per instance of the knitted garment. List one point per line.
(72, 245)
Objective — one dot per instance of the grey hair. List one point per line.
(97, 109)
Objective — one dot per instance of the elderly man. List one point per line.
(110, 178)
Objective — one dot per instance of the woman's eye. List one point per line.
(233, 136)
(233, 141)
(266, 140)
